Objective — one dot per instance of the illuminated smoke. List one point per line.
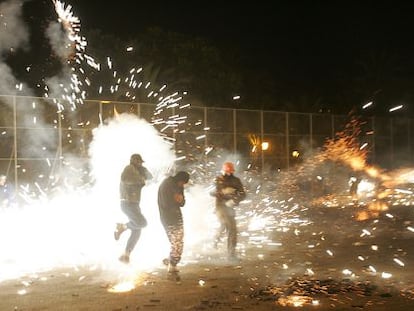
(14, 35)
(75, 228)
(122, 136)
(68, 43)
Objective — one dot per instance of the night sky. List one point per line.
(310, 38)
(310, 46)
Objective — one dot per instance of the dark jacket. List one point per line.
(170, 208)
(132, 180)
(228, 187)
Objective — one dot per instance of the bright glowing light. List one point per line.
(122, 287)
(257, 223)
(399, 262)
(65, 220)
(365, 186)
(265, 145)
(295, 154)
(386, 275)
(294, 301)
(367, 105)
(22, 292)
(396, 108)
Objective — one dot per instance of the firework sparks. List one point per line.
(264, 220)
(74, 93)
(396, 108)
(369, 104)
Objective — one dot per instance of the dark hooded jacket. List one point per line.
(170, 208)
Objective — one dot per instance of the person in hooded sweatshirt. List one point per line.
(170, 200)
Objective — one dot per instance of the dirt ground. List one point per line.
(203, 287)
(294, 271)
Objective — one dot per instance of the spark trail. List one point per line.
(74, 228)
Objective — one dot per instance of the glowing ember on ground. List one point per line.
(123, 287)
(294, 301)
(304, 214)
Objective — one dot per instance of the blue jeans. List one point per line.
(136, 222)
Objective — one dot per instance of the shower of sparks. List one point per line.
(74, 94)
(275, 215)
(377, 195)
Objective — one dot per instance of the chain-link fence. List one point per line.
(36, 138)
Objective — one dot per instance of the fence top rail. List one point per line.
(105, 101)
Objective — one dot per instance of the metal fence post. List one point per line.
(287, 139)
(16, 178)
(392, 143)
(234, 131)
(374, 133)
(60, 148)
(311, 132)
(261, 139)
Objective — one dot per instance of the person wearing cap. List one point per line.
(229, 192)
(170, 200)
(133, 179)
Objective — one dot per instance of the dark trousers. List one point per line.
(226, 216)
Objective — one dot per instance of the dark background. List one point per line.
(311, 56)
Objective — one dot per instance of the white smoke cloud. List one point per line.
(63, 48)
(122, 136)
(14, 33)
(7, 81)
(76, 227)
(59, 41)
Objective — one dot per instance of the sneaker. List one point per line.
(124, 259)
(118, 231)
